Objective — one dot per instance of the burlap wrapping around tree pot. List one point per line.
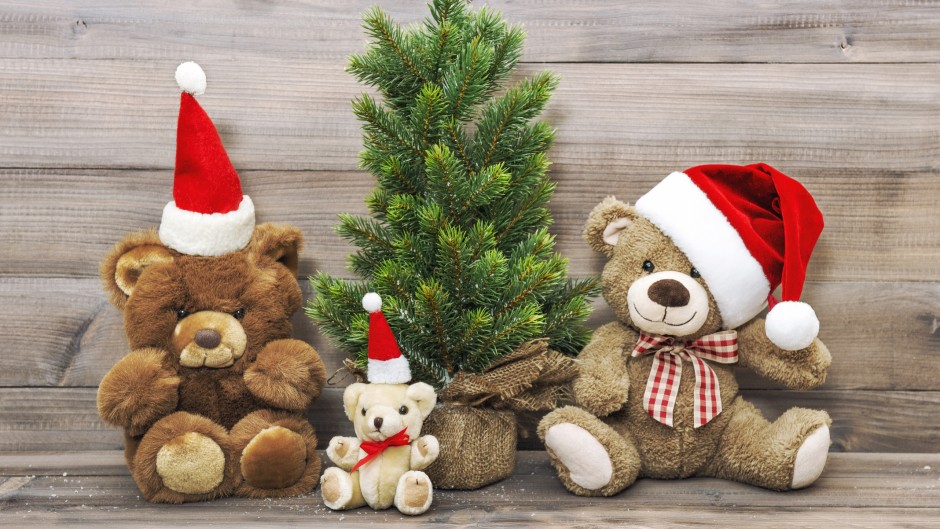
(476, 422)
(478, 446)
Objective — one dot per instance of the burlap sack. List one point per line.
(475, 422)
(478, 446)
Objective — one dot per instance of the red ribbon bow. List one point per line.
(373, 448)
(665, 374)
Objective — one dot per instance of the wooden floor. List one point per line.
(857, 490)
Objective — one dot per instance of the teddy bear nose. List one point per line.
(669, 293)
(208, 338)
(378, 422)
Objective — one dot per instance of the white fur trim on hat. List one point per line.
(207, 234)
(792, 325)
(393, 371)
(682, 211)
(191, 78)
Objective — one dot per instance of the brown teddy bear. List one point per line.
(385, 459)
(690, 267)
(212, 395)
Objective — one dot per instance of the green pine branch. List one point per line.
(457, 240)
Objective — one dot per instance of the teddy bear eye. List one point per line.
(403, 410)
(239, 314)
(363, 412)
(181, 313)
(648, 266)
(694, 273)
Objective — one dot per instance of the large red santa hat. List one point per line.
(208, 215)
(747, 230)
(386, 363)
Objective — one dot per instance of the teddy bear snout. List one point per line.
(378, 422)
(668, 303)
(209, 339)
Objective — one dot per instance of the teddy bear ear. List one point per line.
(351, 398)
(424, 395)
(277, 243)
(123, 267)
(605, 223)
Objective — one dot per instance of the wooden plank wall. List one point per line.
(843, 95)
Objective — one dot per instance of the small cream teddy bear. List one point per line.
(385, 459)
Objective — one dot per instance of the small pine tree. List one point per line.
(457, 243)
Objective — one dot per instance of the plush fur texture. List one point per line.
(394, 477)
(738, 444)
(211, 354)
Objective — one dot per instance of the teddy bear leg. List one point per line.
(340, 489)
(789, 453)
(182, 458)
(590, 457)
(277, 454)
(414, 493)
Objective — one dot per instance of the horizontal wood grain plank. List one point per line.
(559, 31)
(610, 117)
(881, 225)
(856, 490)
(62, 332)
(55, 419)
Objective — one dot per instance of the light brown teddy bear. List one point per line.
(212, 395)
(387, 455)
(690, 267)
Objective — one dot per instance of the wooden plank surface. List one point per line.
(863, 421)
(62, 332)
(564, 31)
(856, 490)
(61, 222)
(281, 114)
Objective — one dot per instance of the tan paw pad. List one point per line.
(274, 459)
(191, 463)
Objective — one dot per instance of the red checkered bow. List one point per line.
(663, 383)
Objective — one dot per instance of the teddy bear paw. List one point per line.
(427, 448)
(585, 458)
(191, 463)
(811, 458)
(336, 488)
(414, 493)
(274, 459)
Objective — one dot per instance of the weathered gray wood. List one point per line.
(63, 332)
(56, 419)
(62, 222)
(581, 31)
(856, 490)
(610, 117)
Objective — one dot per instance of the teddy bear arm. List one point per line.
(424, 451)
(137, 391)
(801, 369)
(343, 452)
(603, 384)
(287, 374)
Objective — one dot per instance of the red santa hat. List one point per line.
(747, 230)
(386, 363)
(208, 215)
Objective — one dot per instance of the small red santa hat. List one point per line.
(208, 215)
(386, 363)
(747, 230)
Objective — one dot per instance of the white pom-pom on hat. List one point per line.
(792, 325)
(372, 302)
(191, 78)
